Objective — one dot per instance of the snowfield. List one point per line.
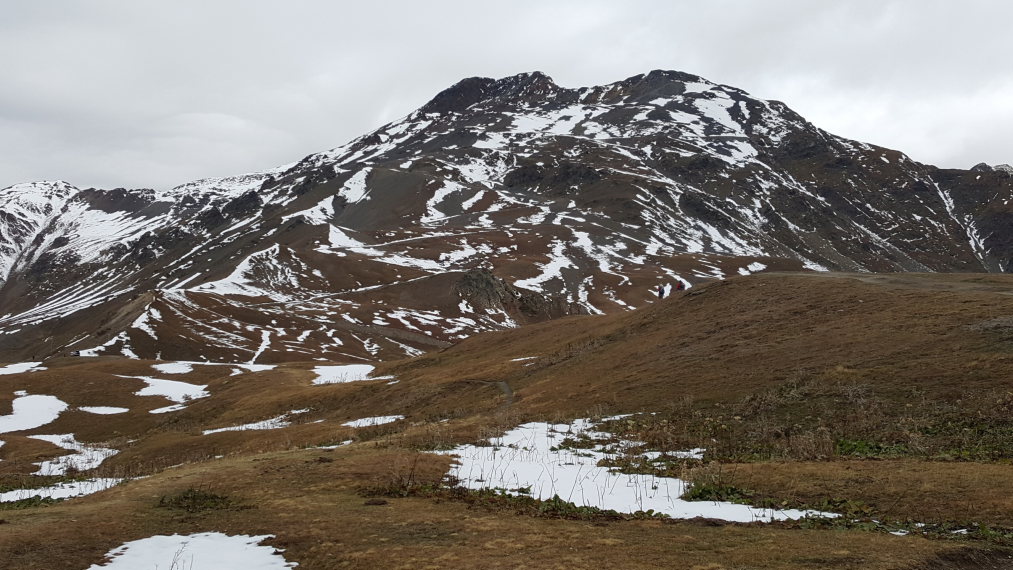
(344, 373)
(31, 412)
(61, 490)
(529, 459)
(202, 551)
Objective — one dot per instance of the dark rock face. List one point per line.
(243, 206)
(460, 96)
(483, 290)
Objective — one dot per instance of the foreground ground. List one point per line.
(886, 398)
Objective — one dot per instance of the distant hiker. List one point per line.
(661, 291)
(680, 286)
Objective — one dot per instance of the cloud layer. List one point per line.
(154, 94)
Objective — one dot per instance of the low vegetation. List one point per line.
(900, 440)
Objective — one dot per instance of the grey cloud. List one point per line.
(149, 93)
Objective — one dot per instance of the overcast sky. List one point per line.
(142, 93)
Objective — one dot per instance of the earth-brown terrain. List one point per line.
(887, 398)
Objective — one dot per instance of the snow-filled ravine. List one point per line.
(528, 458)
(203, 551)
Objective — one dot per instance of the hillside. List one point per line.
(883, 397)
(499, 203)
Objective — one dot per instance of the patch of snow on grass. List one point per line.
(173, 367)
(30, 412)
(373, 421)
(179, 392)
(335, 446)
(104, 410)
(265, 341)
(20, 367)
(167, 409)
(551, 270)
(273, 423)
(752, 268)
(341, 373)
(202, 551)
(529, 458)
(85, 456)
(61, 490)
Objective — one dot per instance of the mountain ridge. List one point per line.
(583, 200)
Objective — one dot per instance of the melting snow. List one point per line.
(103, 410)
(174, 390)
(344, 373)
(203, 551)
(551, 270)
(273, 423)
(173, 367)
(528, 457)
(373, 421)
(61, 490)
(86, 456)
(20, 367)
(355, 188)
(30, 412)
(752, 268)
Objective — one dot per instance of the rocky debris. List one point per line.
(484, 291)
(243, 206)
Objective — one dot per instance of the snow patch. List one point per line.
(173, 367)
(104, 410)
(85, 456)
(61, 490)
(529, 459)
(273, 423)
(179, 392)
(202, 551)
(338, 374)
(30, 412)
(373, 421)
(20, 367)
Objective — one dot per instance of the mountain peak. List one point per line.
(514, 200)
(471, 90)
(40, 187)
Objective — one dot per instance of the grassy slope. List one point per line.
(726, 340)
(777, 351)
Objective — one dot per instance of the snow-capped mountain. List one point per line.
(499, 202)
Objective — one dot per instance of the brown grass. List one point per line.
(319, 517)
(769, 373)
(903, 489)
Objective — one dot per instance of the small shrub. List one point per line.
(195, 500)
